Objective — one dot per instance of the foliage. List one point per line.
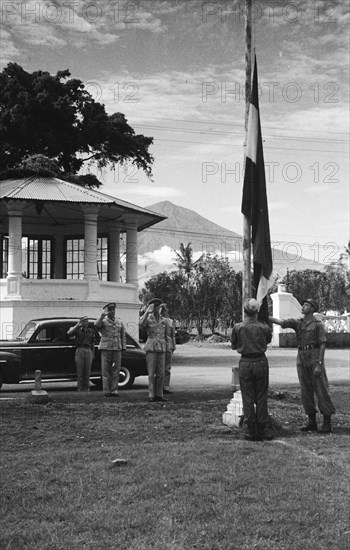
(330, 288)
(56, 116)
(168, 287)
(202, 293)
(185, 259)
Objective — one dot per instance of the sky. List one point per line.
(176, 69)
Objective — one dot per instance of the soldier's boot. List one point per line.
(263, 433)
(326, 427)
(250, 432)
(311, 426)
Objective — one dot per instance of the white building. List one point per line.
(60, 252)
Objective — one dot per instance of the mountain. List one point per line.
(183, 226)
(157, 244)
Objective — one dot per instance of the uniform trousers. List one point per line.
(254, 384)
(110, 366)
(155, 366)
(167, 371)
(311, 384)
(83, 361)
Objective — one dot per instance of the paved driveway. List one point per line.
(202, 367)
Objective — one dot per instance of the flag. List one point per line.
(254, 202)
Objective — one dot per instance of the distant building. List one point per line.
(60, 252)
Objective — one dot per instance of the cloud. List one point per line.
(164, 256)
(144, 191)
(8, 49)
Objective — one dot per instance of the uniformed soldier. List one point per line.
(84, 354)
(111, 345)
(250, 339)
(311, 341)
(171, 347)
(156, 346)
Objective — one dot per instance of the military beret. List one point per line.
(110, 305)
(312, 303)
(84, 318)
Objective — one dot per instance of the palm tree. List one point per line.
(185, 259)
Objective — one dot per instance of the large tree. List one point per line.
(55, 116)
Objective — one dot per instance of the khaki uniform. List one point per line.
(169, 353)
(250, 339)
(112, 342)
(310, 335)
(155, 348)
(84, 354)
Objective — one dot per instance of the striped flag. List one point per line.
(254, 202)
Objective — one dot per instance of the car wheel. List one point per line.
(126, 378)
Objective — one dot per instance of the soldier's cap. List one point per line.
(155, 301)
(84, 318)
(312, 302)
(110, 305)
(251, 306)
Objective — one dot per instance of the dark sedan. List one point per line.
(45, 345)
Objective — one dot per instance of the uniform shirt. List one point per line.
(171, 336)
(83, 337)
(250, 337)
(158, 333)
(308, 332)
(113, 334)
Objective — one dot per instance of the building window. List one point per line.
(75, 258)
(4, 256)
(36, 257)
(102, 258)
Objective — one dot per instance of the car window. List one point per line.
(28, 331)
(53, 335)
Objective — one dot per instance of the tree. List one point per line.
(185, 259)
(330, 288)
(56, 117)
(169, 288)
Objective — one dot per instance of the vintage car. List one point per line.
(45, 345)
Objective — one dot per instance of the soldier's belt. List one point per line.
(308, 346)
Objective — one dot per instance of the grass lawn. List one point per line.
(188, 482)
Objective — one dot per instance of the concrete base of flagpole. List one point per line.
(234, 413)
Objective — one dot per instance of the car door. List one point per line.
(50, 352)
(134, 357)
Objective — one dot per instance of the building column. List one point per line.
(114, 255)
(14, 274)
(90, 241)
(131, 254)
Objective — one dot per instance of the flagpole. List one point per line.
(246, 252)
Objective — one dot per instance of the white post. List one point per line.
(14, 274)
